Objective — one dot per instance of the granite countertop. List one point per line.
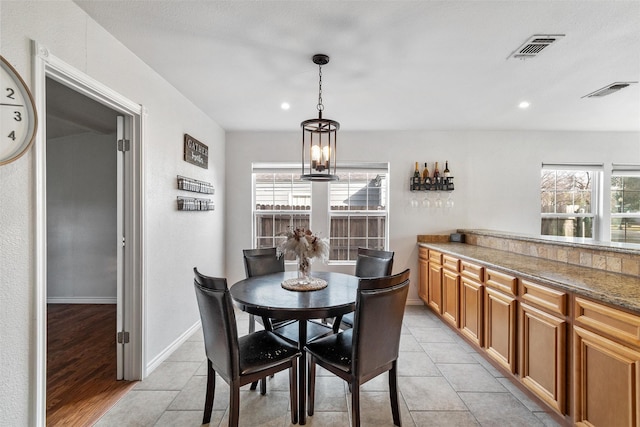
(613, 288)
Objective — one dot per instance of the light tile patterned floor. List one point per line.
(443, 381)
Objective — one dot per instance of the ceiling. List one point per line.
(395, 65)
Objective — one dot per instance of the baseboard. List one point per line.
(415, 301)
(82, 300)
(171, 348)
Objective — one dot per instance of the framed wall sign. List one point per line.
(195, 152)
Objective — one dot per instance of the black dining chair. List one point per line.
(258, 262)
(370, 348)
(238, 360)
(370, 263)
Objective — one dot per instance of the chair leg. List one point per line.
(234, 404)
(263, 386)
(293, 391)
(254, 385)
(311, 385)
(355, 403)
(211, 390)
(393, 392)
(252, 323)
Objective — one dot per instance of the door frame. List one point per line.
(47, 65)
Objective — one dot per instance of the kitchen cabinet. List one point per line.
(423, 272)
(451, 290)
(500, 318)
(543, 343)
(606, 365)
(434, 291)
(472, 302)
(579, 356)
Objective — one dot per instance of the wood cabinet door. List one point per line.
(434, 296)
(451, 297)
(543, 355)
(471, 306)
(500, 328)
(606, 381)
(423, 286)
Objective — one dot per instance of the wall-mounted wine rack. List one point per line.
(444, 183)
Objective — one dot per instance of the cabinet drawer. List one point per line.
(471, 271)
(601, 318)
(435, 256)
(451, 263)
(500, 281)
(544, 297)
(423, 253)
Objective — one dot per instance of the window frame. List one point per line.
(320, 212)
(596, 214)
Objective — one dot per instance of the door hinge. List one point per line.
(123, 145)
(123, 337)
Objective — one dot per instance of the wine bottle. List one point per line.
(436, 174)
(446, 169)
(425, 173)
(415, 182)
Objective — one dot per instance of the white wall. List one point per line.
(81, 217)
(174, 242)
(496, 175)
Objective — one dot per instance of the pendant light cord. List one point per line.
(320, 106)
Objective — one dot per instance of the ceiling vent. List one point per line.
(535, 45)
(608, 90)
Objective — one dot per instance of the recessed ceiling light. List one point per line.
(285, 106)
(524, 104)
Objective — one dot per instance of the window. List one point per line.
(625, 203)
(358, 213)
(281, 200)
(351, 212)
(569, 200)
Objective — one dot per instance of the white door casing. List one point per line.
(131, 204)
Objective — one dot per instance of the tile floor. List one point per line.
(442, 380)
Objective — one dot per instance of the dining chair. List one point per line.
(258, 262)
(370, 348)
(238, 360)
(370, 263)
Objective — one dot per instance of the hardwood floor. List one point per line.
(81, 363)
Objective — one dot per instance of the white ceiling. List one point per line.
(394, 64)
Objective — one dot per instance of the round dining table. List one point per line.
(264, 296)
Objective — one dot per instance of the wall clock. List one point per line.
(18, 118)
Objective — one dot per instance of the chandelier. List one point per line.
(319, 138)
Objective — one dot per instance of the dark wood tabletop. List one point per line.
(264, 296)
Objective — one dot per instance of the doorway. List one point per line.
(83, 174)
(84, 113)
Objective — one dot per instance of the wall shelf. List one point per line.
(194, 185)
(195, 204)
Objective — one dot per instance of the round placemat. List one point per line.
(302, 285)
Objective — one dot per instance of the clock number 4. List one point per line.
(11, 92)
(12, 135)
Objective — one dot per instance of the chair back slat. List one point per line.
(377, 326)
(258, 262)
(374, 263)
(218, 324)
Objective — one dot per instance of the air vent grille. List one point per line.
(534, 45)
(608, 90)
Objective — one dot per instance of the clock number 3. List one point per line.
(11, 92)
(17, 116)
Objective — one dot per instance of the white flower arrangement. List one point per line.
(305, 245)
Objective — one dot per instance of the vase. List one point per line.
(304, 267)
